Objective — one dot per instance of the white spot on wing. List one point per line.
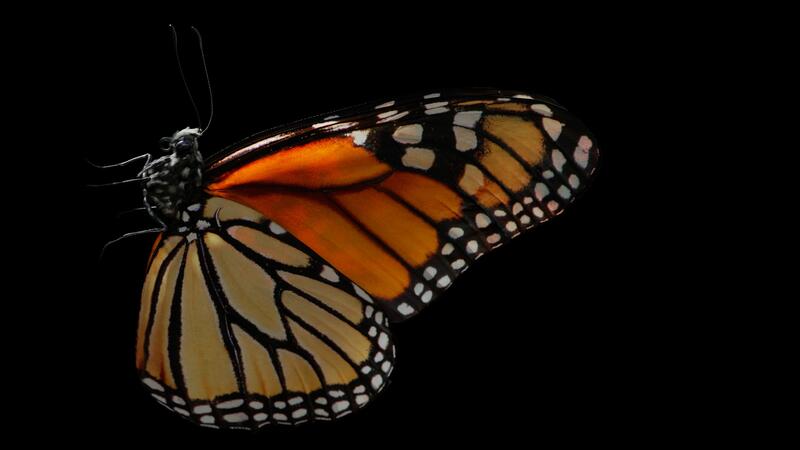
(429, 273)
(323, 124)
(435, 105)
(230, 404)
(360, 136)
(581, 154)
(153, 384)
(458, 264)
(465, 139)
(482, 220)
(394, 117)
(361, 293)
(493, 238)
(385, 105)
(405, 309)
(434, 95)
(443, 282)
(542, 109)
(540, 191)
(343, 126)
(467, 119)
(202, 409)
(383, 341)
(426, 297)
(455, 232)
(433, 111)
(377, 381)
(564, 192)
(235, 417)
(558, 160)
(329, 274)
(386, 114)
(408, 134)
(447, 249)
(472, 247)
(418, 158)
(574, 181)
(275, 228)
(340, 406)
(552, 127)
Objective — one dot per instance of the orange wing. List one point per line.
(405, 198)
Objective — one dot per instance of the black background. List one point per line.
(556, 337)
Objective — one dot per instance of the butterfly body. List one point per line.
(269, 294)
(174, 181)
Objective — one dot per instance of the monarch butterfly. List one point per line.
(283, 260)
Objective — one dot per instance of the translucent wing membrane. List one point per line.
(400, 198)
(242, 325)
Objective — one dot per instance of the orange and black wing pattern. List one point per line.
(403, 196)
(270, 302)
(241, 326)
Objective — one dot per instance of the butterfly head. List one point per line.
(174, 181)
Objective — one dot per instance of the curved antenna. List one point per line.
(183, 77)
(208, 80)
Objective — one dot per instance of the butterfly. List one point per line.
(282, 261)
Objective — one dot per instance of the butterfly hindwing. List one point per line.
(242, 325)
(403, 197)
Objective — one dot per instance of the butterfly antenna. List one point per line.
(183, 77)
(208, 79)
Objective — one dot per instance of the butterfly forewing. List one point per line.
(403, 199)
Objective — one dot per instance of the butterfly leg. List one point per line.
(131, 234)
(123, 163)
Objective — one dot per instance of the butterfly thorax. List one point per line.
(173, 182)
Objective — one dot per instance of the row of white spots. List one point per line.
(339, 405)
